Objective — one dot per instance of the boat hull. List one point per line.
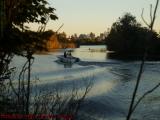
(69, 59)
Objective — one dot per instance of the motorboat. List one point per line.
(67, 57)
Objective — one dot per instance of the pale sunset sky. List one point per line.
(85, 16)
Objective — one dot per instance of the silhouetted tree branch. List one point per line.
(144, 95)
(132, 108)
(55, 102)
(151, 16)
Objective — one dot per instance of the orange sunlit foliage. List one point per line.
(53, 43)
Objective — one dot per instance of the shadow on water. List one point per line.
(132, 56)
(66, 65)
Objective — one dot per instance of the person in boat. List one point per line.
(65, 54)
(69, 53)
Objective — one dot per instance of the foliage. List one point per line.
(14, 15)
(15, 37)
(90, 39)
(26, 11)
(62, 37)
(128, 36)
(18, 39)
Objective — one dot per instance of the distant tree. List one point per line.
(62, 37)
(92, 35)
(89, 39)
(102, 36)
(74, 38)
(83, 36)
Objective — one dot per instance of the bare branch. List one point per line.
(59, 28)
(13, 89)
(144, 95)
(144, 19)
(87, 89)
(151, 17)
(21, 75)
(154, 15)
(136, 88)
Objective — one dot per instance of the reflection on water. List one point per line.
(86, 53)
(113, 83)
(102, 88)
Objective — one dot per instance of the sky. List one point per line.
(85, 16)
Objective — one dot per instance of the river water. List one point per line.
(112, 81)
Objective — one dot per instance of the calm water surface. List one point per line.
(113, 82)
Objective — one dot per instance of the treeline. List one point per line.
(89, 39)
(61, 40)
(128, 38)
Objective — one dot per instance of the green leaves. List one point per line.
(43, 20)
(18, 12)
(27, 11)
(53, 17)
